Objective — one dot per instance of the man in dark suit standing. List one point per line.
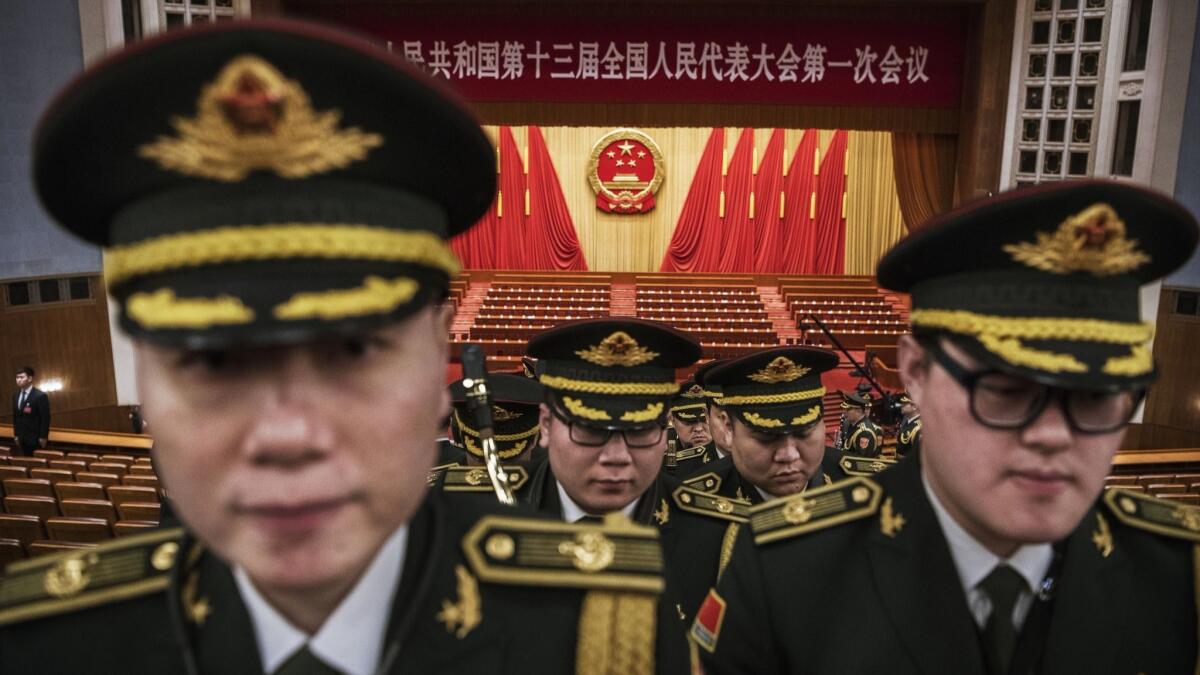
(31, 414)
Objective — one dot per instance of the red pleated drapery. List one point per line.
(553, 243)
(689, 250)
(830, 247)
(768, 181)
(796, 232)
(512, 236)
(737, 239)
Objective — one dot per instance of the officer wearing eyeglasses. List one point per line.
(608, 385)
(994, 548)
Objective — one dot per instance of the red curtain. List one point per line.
(512, 240)
(553, 244)
(737, 239)
(476, 248)
(796, 233)
(767, 183)
(689, 250)
(830, 249)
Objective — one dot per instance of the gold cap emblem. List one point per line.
(782, 369)
(253, 118)
(504, 414)
(618, 349)
(1092, 240)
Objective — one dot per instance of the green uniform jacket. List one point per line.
(875, 590)
(908, 436)
(702, 531)
(445, 618)
(864, 439)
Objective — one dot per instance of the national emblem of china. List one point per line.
(625, 171)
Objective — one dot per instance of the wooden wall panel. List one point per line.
(985, 100)
(68, 341)
(1174, 401)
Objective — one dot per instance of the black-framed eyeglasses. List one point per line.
(1002, 401)
(594, 437)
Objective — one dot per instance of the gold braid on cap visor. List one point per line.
(279, 241)
(767, 399)
(610, 388)
(1003, 335)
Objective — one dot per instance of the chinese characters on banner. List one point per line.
(803, 62)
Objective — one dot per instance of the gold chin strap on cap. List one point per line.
(1004, 336)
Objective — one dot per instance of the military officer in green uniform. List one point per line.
(274, 198)
(908, 435)
(689, 419)
(773, 410)
(862, 436)
(515, 400)
(608, 383)
(995, 549)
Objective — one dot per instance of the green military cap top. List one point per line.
(1044, 282)
(855, 400)
(515, 401)
(712, 392)
(774, 389)
(612, 373)
(688, 404)
(260, 195)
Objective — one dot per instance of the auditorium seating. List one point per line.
(64, 501)
(729, 314)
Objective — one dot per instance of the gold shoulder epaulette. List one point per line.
(689, 453)
(1163, 516)
(854, 465)
(475, 478)
(124, 568)
(815, 509)
(714, 506)
(436, 472)
(614, 555)
(705, 482)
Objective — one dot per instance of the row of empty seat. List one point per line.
(57, 500)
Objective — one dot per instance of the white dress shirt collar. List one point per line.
(351, 639)
(974, 563)
(572, 512)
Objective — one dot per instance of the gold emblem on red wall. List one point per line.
(625, 170)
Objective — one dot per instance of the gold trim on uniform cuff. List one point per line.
(278, 241)
(767, 399)
(610, 388)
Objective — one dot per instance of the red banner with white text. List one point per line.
(830, 61)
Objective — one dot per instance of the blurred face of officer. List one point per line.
(853, 415)
(601, 475)
(691, 433)
(1007, 487)
(23, 380)
(779, 464)
(908, 409)
(716, 427)
(298, 462)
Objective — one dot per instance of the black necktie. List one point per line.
(1002, 586)
(21, 404)
(591, 519)
(303, 662)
